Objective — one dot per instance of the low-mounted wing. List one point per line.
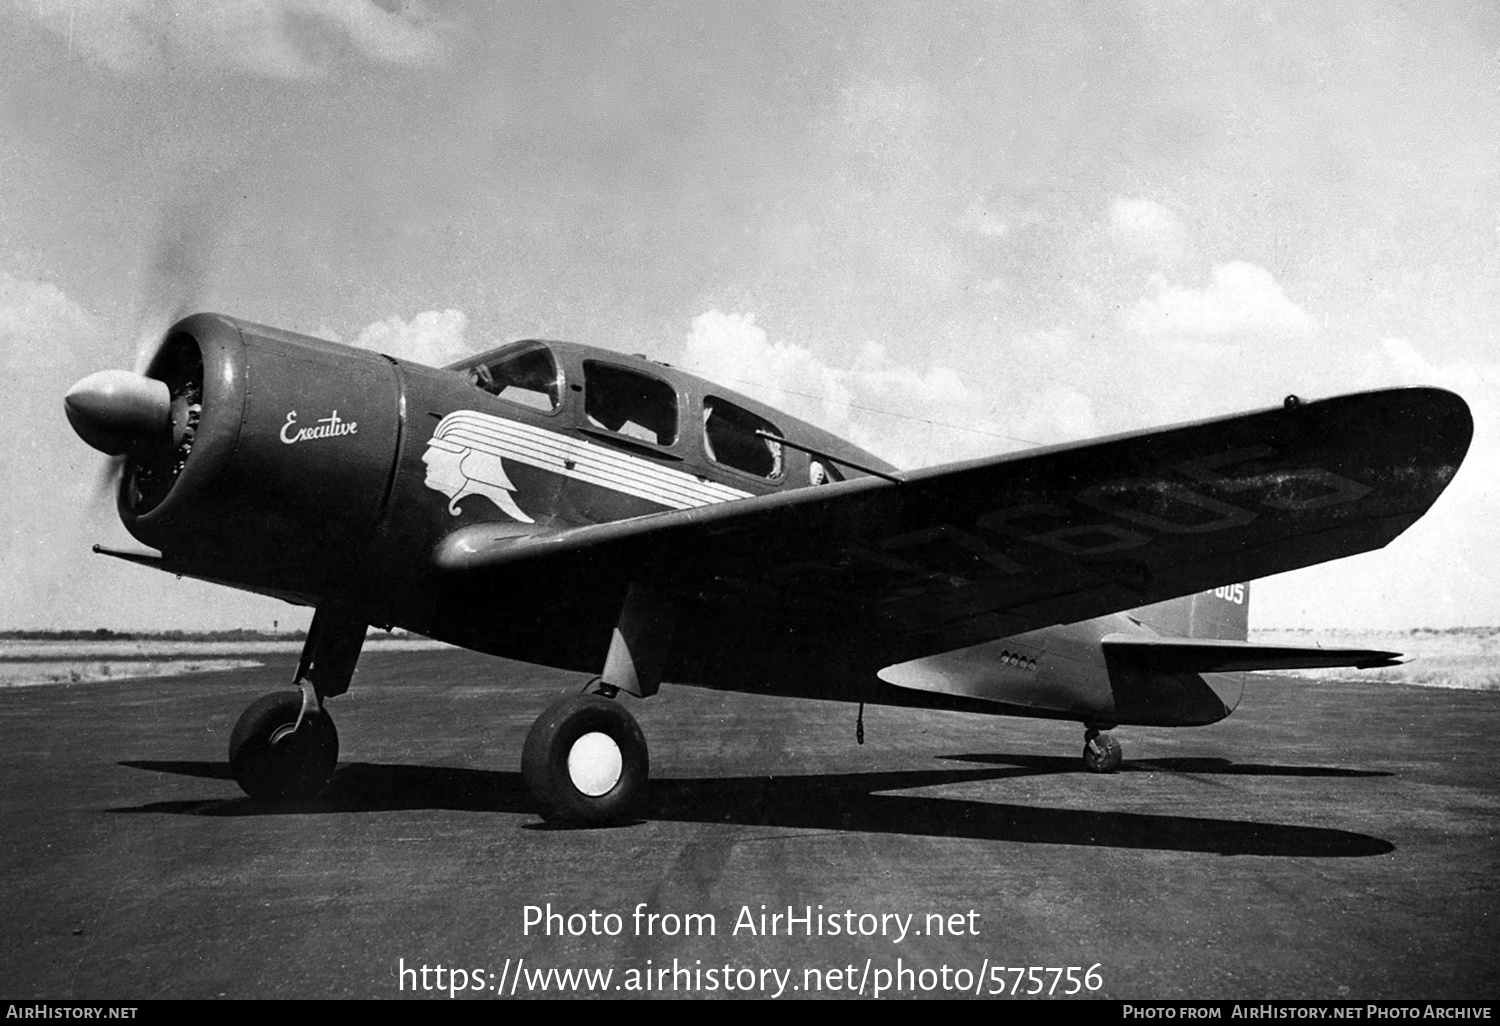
(962, 553)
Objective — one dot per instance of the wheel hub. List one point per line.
(595, 764)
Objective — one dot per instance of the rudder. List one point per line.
(1222, 614)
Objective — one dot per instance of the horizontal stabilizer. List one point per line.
(1184, 655)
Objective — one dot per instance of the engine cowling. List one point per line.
(278, 458)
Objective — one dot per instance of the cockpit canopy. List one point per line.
(634, 404)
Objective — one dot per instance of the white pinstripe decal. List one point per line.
(465, 452)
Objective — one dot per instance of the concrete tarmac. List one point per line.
(1330, 840)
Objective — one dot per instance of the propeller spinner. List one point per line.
(147, 424)
(116, 411)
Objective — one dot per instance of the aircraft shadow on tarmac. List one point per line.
(1191, 764)
(857, 802)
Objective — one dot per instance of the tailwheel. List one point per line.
(585, 761)
(1101, 752)
(272, 758)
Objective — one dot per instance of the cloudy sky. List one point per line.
(942, 229)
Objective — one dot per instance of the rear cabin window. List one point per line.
(628, 403)
(730, 437)
(527, 375)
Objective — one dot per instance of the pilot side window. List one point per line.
(730, 437)
(526, 374)
(634, 405)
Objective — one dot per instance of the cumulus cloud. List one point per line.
(433, 337)
(40, 325)
(273, 38)
(1442, 565)
(1399, 362)
(1145, 228)
(733, 349)
(47, 341)
(1242, 300)
(910, 416)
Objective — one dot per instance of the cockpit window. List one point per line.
(634, 405)
(731, 438)
(526, 374)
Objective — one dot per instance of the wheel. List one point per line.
(585, 761)
(1101, 752)
(269, 761)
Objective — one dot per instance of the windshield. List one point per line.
(526, 374)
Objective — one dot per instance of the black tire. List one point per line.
(595, 790)
(1102, 754)
(269, 761)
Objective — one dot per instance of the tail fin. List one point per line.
(1222, 614)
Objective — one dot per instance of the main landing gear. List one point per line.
(1101, 752)
(284, 745)
(585, 761)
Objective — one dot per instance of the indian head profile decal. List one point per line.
(463, 459)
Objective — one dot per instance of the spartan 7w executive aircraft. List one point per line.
(571, 506)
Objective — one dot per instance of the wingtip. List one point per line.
(1382, 660)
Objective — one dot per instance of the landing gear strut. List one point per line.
(1101, 752)
(585, 759)
(284, 746)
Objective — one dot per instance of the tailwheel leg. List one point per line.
(585, 761)
(1101, 752)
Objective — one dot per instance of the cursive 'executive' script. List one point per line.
(330, 426)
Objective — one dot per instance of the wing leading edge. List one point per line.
(954, 555)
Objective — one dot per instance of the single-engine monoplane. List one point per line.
(567, 505)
